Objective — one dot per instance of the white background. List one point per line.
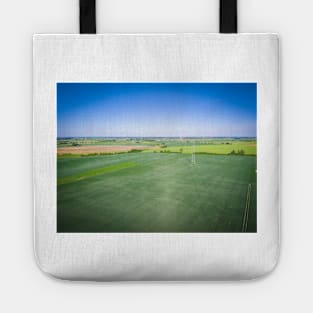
(23, 287)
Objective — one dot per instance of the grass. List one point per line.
(94, 172)
(155, 192)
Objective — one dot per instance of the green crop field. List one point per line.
(214, 149)
(159, 192)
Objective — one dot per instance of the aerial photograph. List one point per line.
(156, 157)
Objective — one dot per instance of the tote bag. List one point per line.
(156, 156)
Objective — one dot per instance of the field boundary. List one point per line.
(246, 212)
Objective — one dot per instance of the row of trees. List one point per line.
(238, 152)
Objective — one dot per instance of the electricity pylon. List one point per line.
(193, 156)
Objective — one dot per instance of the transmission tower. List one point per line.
(193, 156)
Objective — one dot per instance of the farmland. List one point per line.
(151, 185)
(80, 146)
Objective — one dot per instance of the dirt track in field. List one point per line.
(83, 150)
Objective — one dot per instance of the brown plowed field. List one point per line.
(100, 149)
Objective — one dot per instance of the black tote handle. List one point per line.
(228, 16)
(87, 16)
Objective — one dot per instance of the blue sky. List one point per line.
(156, 109)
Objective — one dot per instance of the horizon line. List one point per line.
(180, 137)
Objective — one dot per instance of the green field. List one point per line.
(248, 149)
(160, 192)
